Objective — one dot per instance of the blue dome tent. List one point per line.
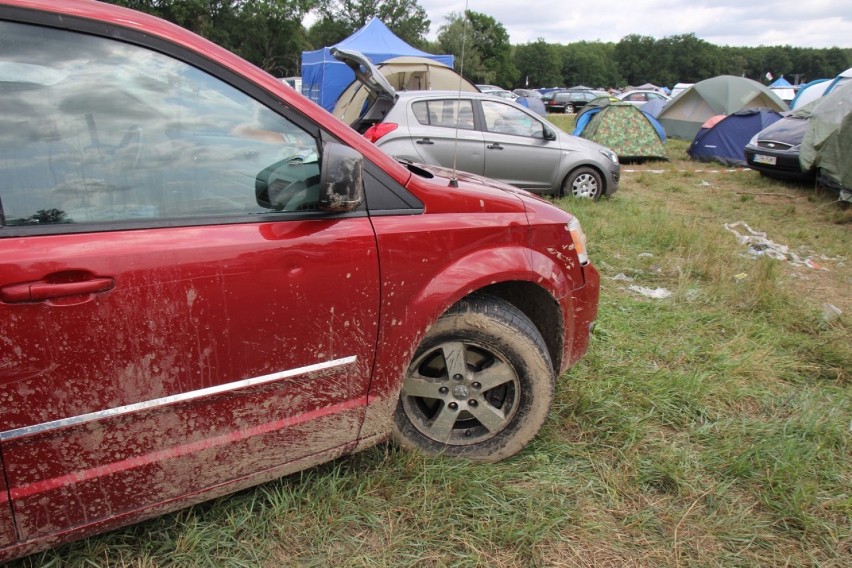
(726, 140)
(324, 78)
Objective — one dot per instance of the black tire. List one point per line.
(584, 182)
(480, 385)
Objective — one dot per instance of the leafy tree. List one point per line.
(636, 64)
(213, 19)
(492, 41)
(836, 61)
(453, 38)
(689, 59)
(484, 43)
(268, 33)
(540, 64)
(277, 36)
(589, 63)
(772, 60)
(338, 19)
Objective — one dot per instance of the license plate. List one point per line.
(761, 159)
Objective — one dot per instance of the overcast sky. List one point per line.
(740, 23)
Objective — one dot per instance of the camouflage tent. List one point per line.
(623, 128)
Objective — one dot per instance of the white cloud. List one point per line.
(819, 23)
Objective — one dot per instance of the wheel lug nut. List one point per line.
(453, 406)
(457, 377)
(443, 390)
(476, 385)
(472, 402)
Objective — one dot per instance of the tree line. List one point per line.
(271, 34)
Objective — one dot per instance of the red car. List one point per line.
(208, 282)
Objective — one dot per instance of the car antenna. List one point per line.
(454, 181)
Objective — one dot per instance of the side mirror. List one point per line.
(549, 134)
(341, 178)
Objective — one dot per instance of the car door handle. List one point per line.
(40, 290)
(427, 141)
(495, 146)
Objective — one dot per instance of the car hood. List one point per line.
(575, 143)
(431, 171)
(789, 130)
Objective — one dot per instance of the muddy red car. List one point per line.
(207, 282)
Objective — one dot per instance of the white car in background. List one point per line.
(640, 97)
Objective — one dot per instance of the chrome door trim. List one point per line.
(172, 399)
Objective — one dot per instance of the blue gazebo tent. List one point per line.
(783, 88)
(324, 78)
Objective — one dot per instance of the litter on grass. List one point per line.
(759, 245)
(830, 312)
(658, 293)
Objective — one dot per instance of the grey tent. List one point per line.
(683, 116)
(829, 137)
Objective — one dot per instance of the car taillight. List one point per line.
(378, 130)
(579, 238)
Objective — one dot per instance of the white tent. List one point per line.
(809, 92)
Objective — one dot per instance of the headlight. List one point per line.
(753, 141)
(613, 157)
(579, 238)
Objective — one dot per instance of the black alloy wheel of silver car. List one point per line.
(479, 387)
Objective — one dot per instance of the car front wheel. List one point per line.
(583, 182)
(569, 109)
(479, 387)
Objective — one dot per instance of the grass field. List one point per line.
(707, 428)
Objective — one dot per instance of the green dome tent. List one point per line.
(623, 128)
(683, 116)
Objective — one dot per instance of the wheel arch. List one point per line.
(538, 305)
(535, 286)
(592, 165)
(513, 274)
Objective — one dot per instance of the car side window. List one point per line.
(505, 119)
(449, 113)
(96, 130)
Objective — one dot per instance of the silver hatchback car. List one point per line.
(479, 134)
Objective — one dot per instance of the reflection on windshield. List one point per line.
(93, 129)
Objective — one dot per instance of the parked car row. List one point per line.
(208, 282)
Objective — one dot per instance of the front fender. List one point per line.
(407, 317)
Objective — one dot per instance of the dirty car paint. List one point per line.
(150, 363)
